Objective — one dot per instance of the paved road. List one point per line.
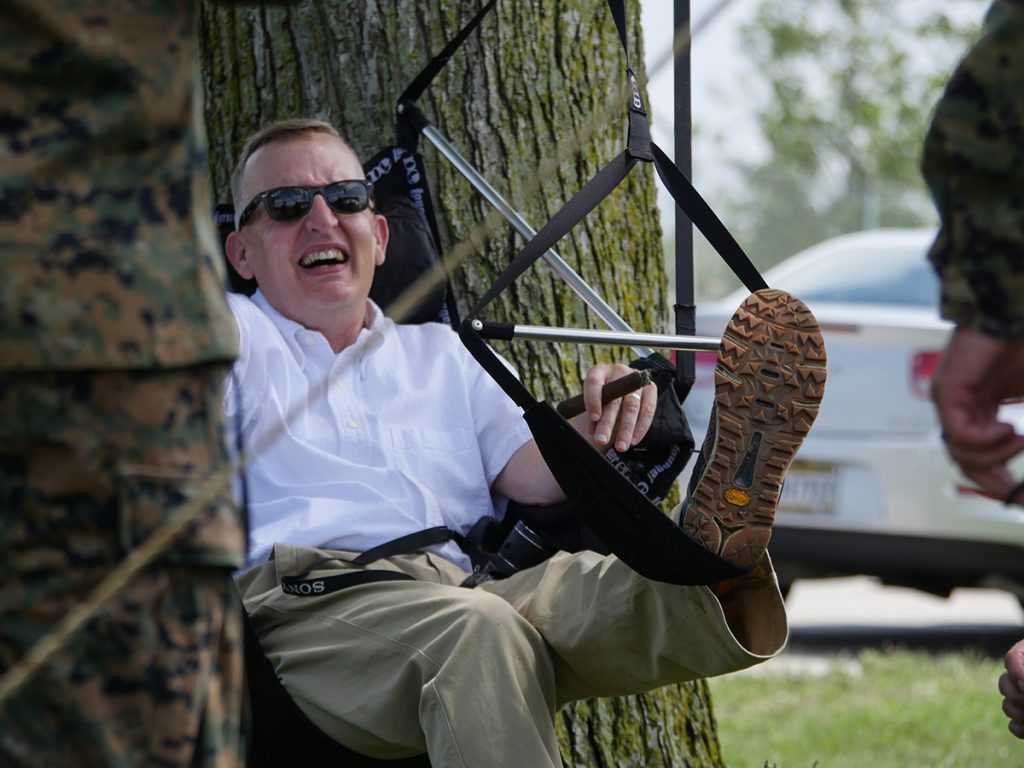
(830, 616)
(866, 602)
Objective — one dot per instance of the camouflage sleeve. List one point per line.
(108, 249)
(974, 165)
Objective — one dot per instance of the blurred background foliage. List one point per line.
(841, 93)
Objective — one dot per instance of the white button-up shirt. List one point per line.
(399, 432)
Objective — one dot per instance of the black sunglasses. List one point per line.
(286, 203)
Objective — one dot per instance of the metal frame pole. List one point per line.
(590, 297)
(508, 331)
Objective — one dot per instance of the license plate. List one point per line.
(809, 487)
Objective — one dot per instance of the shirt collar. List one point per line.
(375, 325)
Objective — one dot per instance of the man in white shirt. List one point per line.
(364, 431)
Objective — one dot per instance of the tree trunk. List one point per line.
(537, 76)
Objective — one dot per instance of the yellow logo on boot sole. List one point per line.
(737, 497)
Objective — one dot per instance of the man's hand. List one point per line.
(626, 419)
(976, 374)
(1011, 685)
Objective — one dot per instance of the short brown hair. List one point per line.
(282, 130)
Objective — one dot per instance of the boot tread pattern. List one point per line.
(769, 381)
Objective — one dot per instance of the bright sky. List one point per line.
(720, 95)
(713, 58)
(715, 69)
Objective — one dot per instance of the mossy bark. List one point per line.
(534, 84)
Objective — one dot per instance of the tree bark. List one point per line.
(533, 84)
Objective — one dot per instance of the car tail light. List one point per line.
(970, 490)
(922, 370)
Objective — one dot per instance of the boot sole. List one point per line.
(769, 380)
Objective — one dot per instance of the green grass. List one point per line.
(899, 709)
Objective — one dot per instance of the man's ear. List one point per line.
(235, 248)
(380, 234)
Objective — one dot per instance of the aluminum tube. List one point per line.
(610, 338)
(590, 297)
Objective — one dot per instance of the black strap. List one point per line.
(408, 133)
(638, 133)
(582, 203)
(423, 80)
(405, 545)
(706, 221)
(639, 145)
(618, 11)
(302, 586)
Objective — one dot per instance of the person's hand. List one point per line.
(976, 374)
(1011, 685)
(626, 419)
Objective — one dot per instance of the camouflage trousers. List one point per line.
(90, 464)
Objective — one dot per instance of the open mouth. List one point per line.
(330, 257)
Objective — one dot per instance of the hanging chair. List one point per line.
(607, 510)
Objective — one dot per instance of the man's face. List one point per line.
(317, 265)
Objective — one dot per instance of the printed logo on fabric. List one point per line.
(304, 588)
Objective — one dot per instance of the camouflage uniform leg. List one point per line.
(90, 464)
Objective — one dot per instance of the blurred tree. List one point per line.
(846, 88)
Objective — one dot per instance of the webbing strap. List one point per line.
(582, 203)
(682, 191)
(408, 135)
(638, 133)
(618, 11)
(705, 219)
(608, 178)
(302, 585)
(423, 80)
(413, 542)
(638, 147)
(471, 339)
(574, 211)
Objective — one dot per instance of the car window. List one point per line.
(879, 276)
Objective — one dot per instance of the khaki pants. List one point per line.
(475, 676)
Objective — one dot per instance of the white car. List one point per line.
(871, 491)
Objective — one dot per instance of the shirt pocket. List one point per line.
(430, 442)
(436, 458)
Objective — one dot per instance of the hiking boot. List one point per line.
(769, 380)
